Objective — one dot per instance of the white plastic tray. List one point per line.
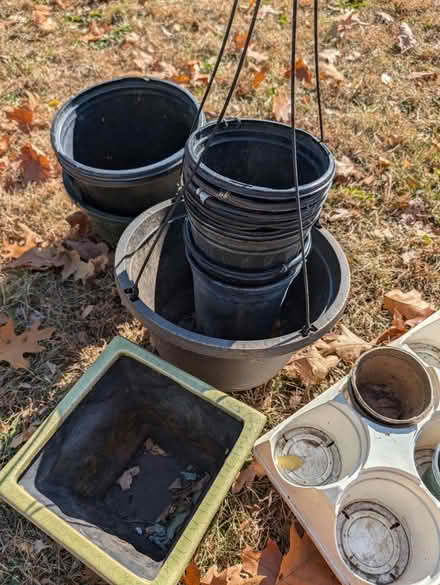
(368, 511)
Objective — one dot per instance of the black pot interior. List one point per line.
(173, 298)
(266, 162)
(76, 473)
(128, 129)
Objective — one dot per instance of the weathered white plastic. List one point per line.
(371, 505)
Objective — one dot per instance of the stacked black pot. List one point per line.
(242, 235)
(121, 144)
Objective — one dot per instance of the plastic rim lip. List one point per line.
(213, 346)
(195, 143)
(120, 177)
(371, 412)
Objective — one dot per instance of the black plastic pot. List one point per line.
(166, 305)
(107, 225)
(122, 142)
(253, 158)
(232, 311)
(240, 276)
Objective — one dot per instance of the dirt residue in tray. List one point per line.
(384, 400)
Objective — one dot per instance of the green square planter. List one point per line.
(64, 478)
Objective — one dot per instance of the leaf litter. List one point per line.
(13, 346)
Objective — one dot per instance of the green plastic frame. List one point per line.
(82, 548)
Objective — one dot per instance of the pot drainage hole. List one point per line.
(372, 542)
(321, 460)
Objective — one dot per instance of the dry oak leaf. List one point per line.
(302, 71)
(126, 478)
(258, 79)
(17, 250)
(342, 213)
(87, 249)
(345, 169)
(4, 144)
(329, 71)
(230, 576)
(13, 347)
(94, 33)
(329, 55)
(239, 40)
(410, 305)
(397, 329)
(74, 266)
(266, 563)
(79, 219)
(281, 106)
(34, 165)
(303, 564)
(142, 60)
(310, 366)
(259, 57)
(191, 575)
(345, 345)
(38, 259)
(406, 38)
(23, 115)
(247, 476)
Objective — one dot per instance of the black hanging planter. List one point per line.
(122, 142)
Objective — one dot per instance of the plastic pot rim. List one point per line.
(217, 347)
(374, 414)
(119, 177)
(246, 189)
(75, 196)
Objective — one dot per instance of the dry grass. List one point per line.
(366, 120)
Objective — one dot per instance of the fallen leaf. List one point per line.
(17, 250)
(131, 39)
(94, 32)
(153, 449)
(281, 106)
(310, 366)
(87, 250)
(4, 144)
(342, 213)
(126, 478)
(258, 79)
(384, 162)
(329, 55)
(22, 437)
(266, 563)
(230, 576)
(409, 257)
(384, 17)
(259, 57)
(74, 266)
(23, 115)
(53, 103)
(345, 169)
(303, 565)
(420, 75)
(49, 25)
(60, 4)
(192, 575)
(396, 330)
(142, 60)
(302, 71)
(345, 345)
(290, 462)
(247, 476)
(13, 346)
(406, 38)
(38, 259)
(409, 304)
(329, 71)
(164, 70)
(305, 3)
(34, 166)
(80, 220)
(268, 9)
(239, 40)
